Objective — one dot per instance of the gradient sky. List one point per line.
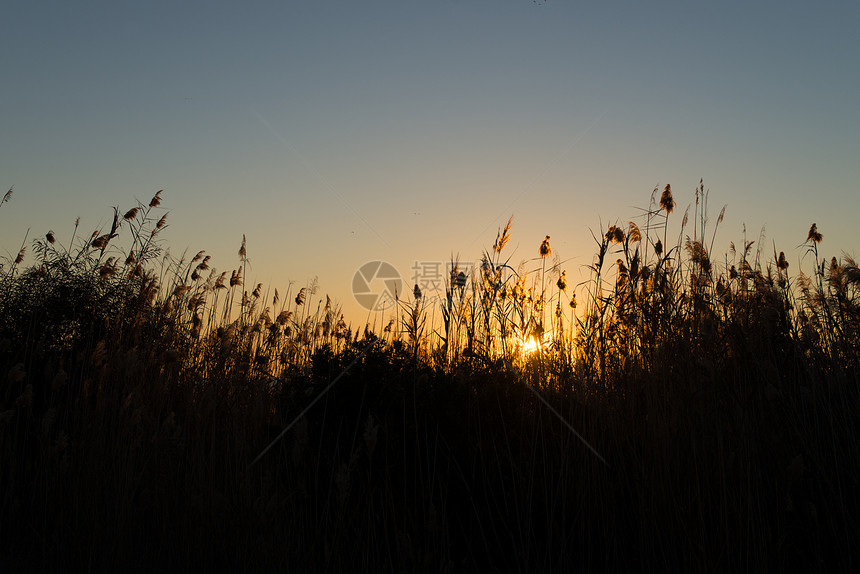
(334, 133)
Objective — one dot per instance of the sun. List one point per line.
(532, 345)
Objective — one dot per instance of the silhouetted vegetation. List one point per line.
(681, 413)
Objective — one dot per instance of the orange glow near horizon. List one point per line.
(533, 345)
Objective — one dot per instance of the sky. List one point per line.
(332, 134)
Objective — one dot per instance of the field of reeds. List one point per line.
(678, 411)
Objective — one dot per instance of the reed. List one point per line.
(676, 410)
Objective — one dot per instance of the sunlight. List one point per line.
(532, 344)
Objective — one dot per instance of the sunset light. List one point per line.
(462, 286)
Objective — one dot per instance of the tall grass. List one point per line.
(685, 411)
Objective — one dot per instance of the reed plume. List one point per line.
(666, 201)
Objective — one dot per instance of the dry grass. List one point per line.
(721, 398)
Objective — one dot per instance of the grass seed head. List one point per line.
(156, 199)
(26, 398)
(504, 236)
(545, 250)
(781, 262)
(17, 374)
(615, 234)
(107, 269)
(666, 201)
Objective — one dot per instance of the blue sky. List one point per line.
(334, 133)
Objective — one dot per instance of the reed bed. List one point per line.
(674, 411)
